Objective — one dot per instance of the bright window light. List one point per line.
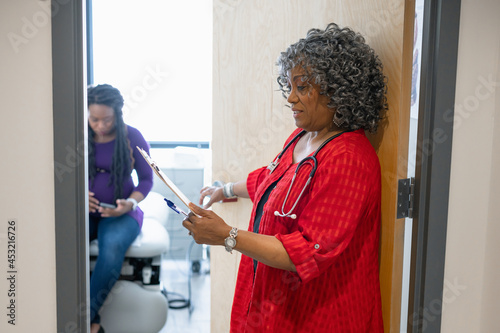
(159, 54)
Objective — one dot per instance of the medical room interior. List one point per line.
(198, 79)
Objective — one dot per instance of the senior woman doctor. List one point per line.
(310, 255)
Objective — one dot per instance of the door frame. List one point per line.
(441, 25)
(439, 59)
(70, 164)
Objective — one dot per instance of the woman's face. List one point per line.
(310, 109)
(101, 119)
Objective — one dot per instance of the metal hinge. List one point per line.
(406, 190)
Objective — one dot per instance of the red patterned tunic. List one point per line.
(333, 242)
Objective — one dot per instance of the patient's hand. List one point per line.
(122, 207)
(93, 203)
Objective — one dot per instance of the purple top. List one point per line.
(103, 157)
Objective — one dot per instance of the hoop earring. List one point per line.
(338, 119)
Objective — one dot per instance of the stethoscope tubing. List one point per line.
(308, 160)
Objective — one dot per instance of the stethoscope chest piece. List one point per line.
(292, 216)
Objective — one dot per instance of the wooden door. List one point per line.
(250, 122)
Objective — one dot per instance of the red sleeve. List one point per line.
(254, 179)
(329, 220)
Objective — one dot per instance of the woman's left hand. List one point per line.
(205, 226)
(122, 207)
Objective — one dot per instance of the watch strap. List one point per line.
(134, 203)
(232, 239)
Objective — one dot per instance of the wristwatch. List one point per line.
(230, 242)
(134, 203)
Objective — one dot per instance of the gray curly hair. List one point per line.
(346, 69)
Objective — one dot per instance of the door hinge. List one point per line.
(406, 190)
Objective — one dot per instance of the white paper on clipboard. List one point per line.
(164, 177)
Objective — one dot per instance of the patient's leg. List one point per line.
(115, 235)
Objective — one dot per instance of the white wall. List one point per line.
(26, 168)
(472, 271)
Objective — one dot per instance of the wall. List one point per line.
(26, 170)
(471, 293)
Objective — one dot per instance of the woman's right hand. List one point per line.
(213, 192)
(93, 203)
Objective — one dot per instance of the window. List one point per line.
(159, 55)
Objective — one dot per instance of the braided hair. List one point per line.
(122, 161)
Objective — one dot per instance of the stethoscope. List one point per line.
(311, 160)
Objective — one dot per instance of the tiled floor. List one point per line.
(175, 277)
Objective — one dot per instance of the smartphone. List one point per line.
(106, 205)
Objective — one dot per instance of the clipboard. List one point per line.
(164, 177)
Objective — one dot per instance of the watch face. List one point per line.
(230, 242)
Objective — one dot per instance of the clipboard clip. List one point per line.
(148, 159)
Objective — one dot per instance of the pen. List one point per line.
(174, 207)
